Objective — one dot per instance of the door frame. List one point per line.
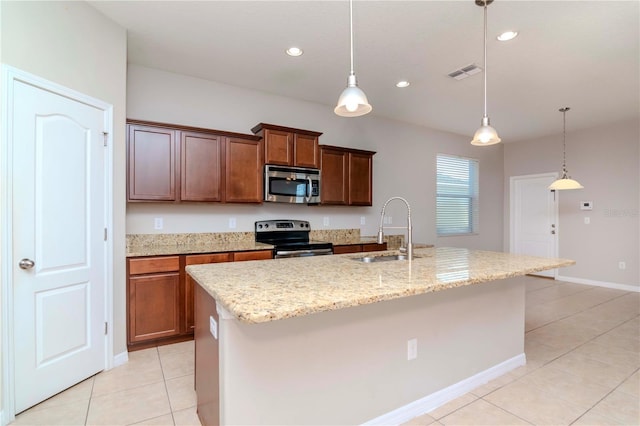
(9, 75)
(512, 207)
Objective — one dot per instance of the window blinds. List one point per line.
(456, 195)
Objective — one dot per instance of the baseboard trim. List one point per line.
(616, 286)
(441, 397)
(120, 359)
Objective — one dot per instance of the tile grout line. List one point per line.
(608, 393)
(576, 313)
(166, 389)
(93, 383)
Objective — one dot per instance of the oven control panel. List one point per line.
(281, 225)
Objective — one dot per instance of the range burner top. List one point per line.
(290, 238)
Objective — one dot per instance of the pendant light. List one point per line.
(485, 135)
(352, 101)
(565, 182)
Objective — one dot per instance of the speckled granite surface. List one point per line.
(268, 290)
(168, 244)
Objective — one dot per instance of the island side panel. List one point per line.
(207, 376)
(349, 366)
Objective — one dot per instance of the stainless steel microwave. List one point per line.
(297, 185)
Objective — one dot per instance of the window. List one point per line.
(456, 195)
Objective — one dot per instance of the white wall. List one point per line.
(70, 43)
(403, 166)
(605, 161)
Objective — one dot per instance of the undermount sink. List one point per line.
(386, 258)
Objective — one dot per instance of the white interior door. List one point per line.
(534, 211)
(58, 248)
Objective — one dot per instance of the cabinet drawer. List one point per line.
(149, 265)
(374, 247)
(199, 259)
(351, 248)
(252, 255)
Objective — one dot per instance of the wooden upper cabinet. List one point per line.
(288, 146)
(305, 151)
(167, 162)
(334, 166)
(347, 176)
(201, 176)
(151, 163)
(243, 171)
(360, 179)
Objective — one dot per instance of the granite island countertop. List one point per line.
(269, 290)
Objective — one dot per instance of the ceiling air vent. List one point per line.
(465, 72)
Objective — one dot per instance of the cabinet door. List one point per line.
(240, 256)
(305, 151)
(334, 186)
(151, 164)
(243, 171)
(360, 179)
(278, 147)
(201, 172)
(197, 259)
(374, 247)
(349, 248)
(153, 306)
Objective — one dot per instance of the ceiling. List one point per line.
(582, 54)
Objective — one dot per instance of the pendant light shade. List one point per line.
(352, 101)
(565, 182)
(485, 135)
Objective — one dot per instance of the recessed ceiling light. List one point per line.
(507, 35)
(294, 51)
(402, 83)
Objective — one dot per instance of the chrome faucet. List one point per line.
(409, 228)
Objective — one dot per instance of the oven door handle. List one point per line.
(296, 252)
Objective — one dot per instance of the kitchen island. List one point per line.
(333, 340)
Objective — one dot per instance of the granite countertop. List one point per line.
(194, 243)
(269, 290)
(195, 248)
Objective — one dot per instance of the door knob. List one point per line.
(26, 264)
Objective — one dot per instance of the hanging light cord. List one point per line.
(485, 58)
(351, 30)
(564, 137)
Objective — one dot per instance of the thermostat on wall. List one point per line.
(586, 205)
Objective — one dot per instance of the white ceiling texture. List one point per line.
(583, 54)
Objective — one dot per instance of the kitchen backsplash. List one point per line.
(336, 236)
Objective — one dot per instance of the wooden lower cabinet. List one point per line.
(160, 296)
(153, 291)
(197, 259)
(357, 248)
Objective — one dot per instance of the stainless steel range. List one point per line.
(290, 238)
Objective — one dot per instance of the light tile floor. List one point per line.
(583, 357)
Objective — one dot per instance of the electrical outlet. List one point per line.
(232, 223)
(622, 265)
(412, 349)
(325, 221)
(363, 220)
(157, 223)
(587, 220)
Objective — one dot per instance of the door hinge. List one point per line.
(106, 328)
(106, 137)
(105, 234)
